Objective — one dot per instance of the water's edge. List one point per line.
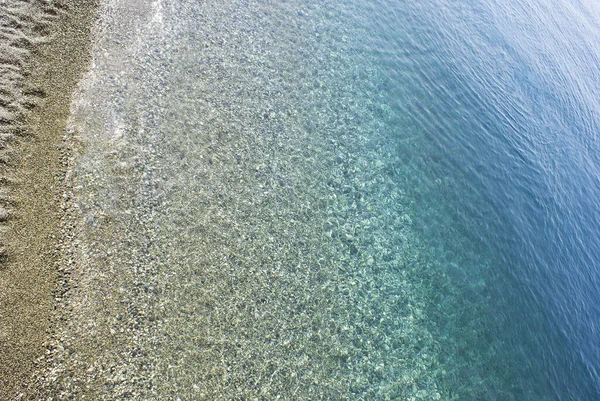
(252, 242)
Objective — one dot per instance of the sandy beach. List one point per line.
(45, 50)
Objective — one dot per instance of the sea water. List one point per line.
(340, 199)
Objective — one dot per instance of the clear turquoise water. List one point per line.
(507, 96)
(342, 200)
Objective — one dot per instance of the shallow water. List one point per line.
(338, 200)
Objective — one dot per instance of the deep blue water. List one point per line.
(506, 95)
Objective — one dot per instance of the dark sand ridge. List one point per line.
(44, 49)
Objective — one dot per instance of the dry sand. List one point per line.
(44, 49)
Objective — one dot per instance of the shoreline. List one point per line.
(223, 226)
(33, 234)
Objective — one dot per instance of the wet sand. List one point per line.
(45, 50)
